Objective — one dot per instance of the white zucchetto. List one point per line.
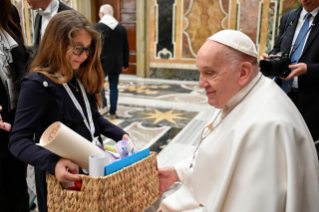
(236, 40)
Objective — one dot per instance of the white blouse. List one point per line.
(7, 43)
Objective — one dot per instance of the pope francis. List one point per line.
(256, 154)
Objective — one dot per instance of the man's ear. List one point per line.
(244, 73)
(101, 15)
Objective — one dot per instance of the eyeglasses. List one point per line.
(78, 50)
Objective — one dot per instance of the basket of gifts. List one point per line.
(121, 184)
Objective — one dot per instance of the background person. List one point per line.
(253, 156)
(13, 59)
(302, 84)
(46, 9)
(115, 53)
(65, 75)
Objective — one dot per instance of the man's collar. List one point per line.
(53, 6)
(304, 12)
(241, 94)
(110, 21)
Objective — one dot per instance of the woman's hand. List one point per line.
(3, 125)
(65, 171)
(126, 137)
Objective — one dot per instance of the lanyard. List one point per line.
(90, 127)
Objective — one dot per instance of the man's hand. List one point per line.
(124, 69)
(297, 69)
(167, 177)
(263, 56)
(3, 125)
(65, 171)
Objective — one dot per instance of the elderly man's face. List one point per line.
(216, 76)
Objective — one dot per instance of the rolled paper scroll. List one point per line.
(66, 143)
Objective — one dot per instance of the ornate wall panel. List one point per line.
(165, 31)
(200, 21)
(27, 17)
(196, 20)
(248, 23)
(273, 19)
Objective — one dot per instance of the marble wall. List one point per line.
(178, 28)
(174, 30)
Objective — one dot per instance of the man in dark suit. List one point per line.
(46, 10)
(302, 83)
(115, 52)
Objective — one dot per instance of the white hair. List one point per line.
(106, 9)
(235, 57)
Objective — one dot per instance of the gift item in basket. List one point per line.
(132, 189)
(66, 143)
(120, 164)
(97, 163)
(125, 148)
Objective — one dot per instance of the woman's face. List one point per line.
(82, 41)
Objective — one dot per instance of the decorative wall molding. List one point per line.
(186, 27)
(224, 12)
(202, 20)
(165, 13)
(173, 65)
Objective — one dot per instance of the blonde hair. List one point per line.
(52, 59)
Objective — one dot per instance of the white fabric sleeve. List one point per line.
(179, 201)
(183, 170)
(182, 199)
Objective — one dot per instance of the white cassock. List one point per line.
(259, 158)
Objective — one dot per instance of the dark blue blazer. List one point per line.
(40, 104)
(308, 89)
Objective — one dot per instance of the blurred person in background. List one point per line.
(299, 37)
(115, 54)
(46, 9)
(13, 59)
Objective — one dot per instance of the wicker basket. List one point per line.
(133, 188)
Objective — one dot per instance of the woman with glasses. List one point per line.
(64, 85)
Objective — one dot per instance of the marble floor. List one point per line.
(164, 115)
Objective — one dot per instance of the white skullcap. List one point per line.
(236, 40)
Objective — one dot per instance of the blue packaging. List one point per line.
(125, 162)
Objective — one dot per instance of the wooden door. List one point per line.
(125, 13)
